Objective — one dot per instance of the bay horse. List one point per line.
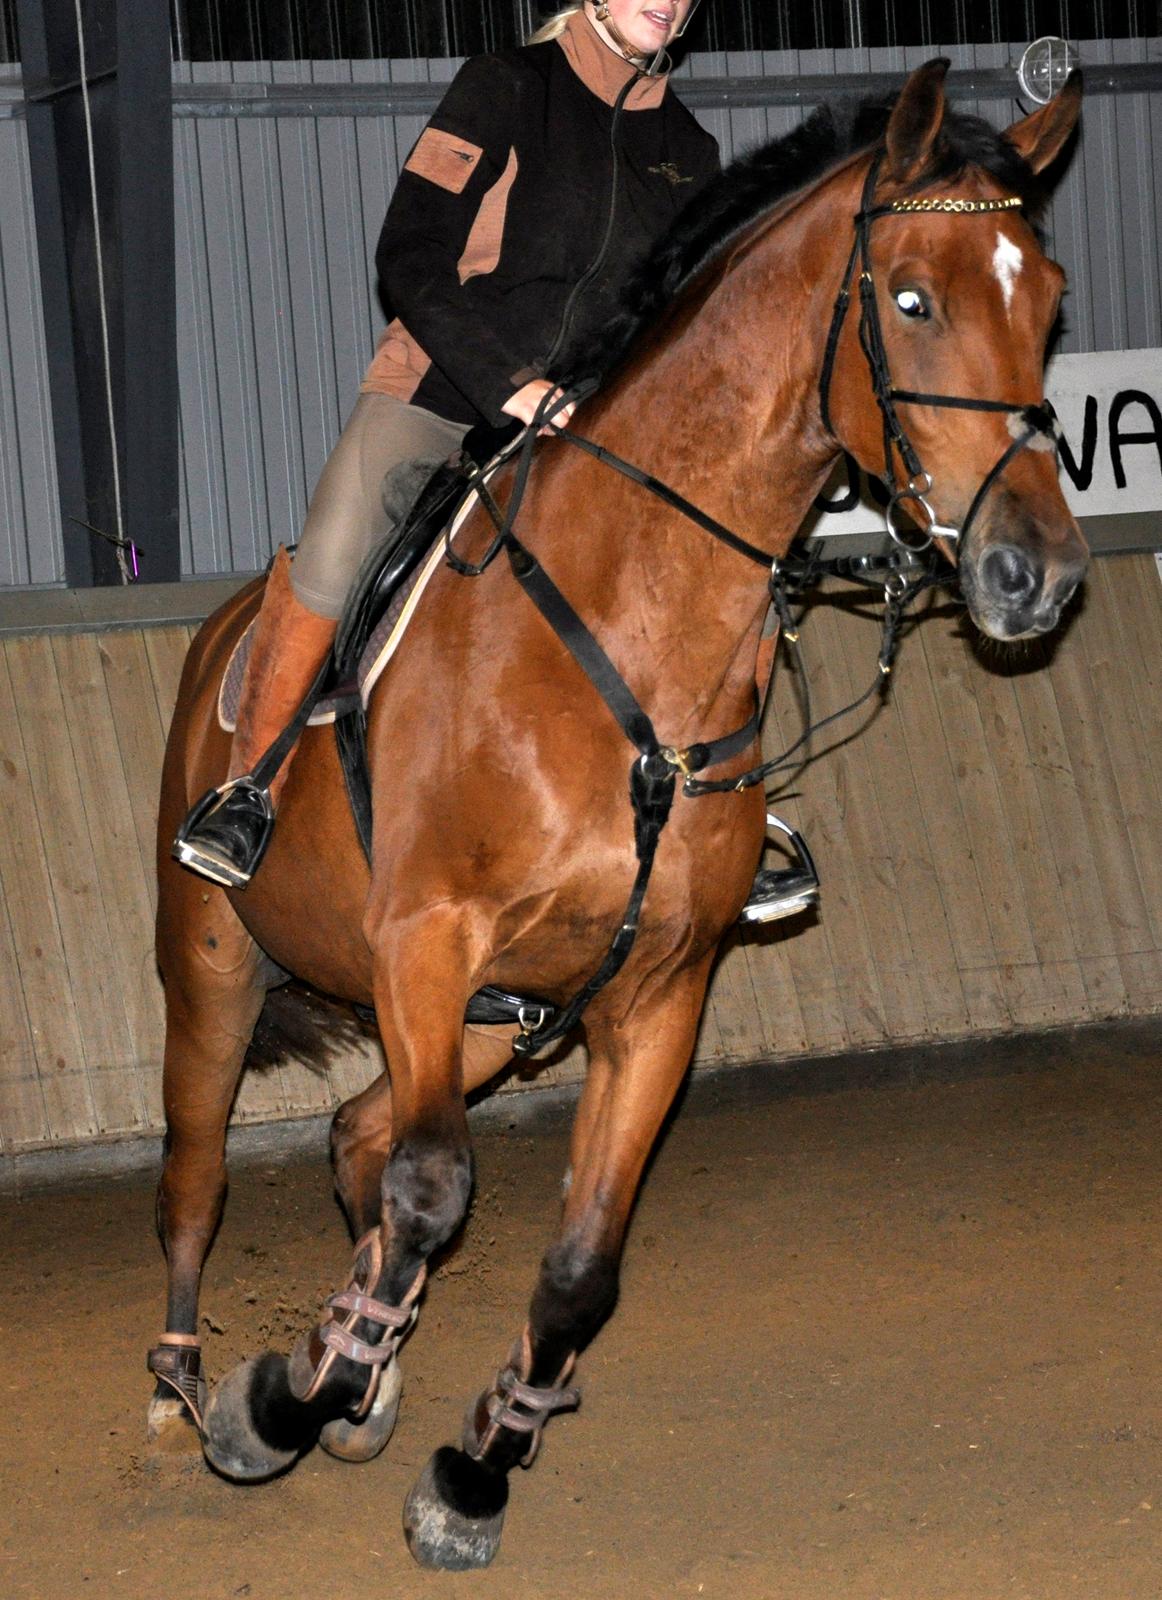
(776, 330)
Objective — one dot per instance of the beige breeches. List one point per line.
(384, 455)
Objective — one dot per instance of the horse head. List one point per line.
(952, 302)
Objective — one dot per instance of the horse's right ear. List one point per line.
(1041, 137)
(915, 121)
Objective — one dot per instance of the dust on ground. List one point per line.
(895, 1343)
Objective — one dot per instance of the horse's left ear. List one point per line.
(915, 121)
(1039, 138)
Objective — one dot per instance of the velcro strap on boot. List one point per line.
(176, 1360)
(316, 1353)
(497, 1407)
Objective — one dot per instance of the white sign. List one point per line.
(1109, 405)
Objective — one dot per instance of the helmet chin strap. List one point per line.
(661, 63)
(634, 57)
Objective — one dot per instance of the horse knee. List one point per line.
(426, 1188)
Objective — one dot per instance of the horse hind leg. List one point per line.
(213, 996)
(454, 1515)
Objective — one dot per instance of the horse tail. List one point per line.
(301, 1024)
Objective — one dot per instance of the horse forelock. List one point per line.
(759, 182)
(967, 142)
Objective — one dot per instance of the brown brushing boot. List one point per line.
(227, 832)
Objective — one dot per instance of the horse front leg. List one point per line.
(340, 1384)
(454, 1514)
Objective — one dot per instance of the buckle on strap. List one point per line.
(681, 760)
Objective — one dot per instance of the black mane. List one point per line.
(755, 183)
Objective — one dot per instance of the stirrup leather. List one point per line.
(783, 893)
(225, 836)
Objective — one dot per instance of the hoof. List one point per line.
(362, 1441)
(453, 1517)
(231, 1443)
(170, 1428)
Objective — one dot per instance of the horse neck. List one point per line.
(722, 406)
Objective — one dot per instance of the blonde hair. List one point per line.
(555, 25)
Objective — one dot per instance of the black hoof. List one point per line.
(453, 1517)
(230, 1440)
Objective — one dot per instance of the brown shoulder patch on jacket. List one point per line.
(444, 159)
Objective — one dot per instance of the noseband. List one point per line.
(1029, 422)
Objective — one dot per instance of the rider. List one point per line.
(503, 209)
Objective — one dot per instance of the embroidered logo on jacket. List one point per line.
(670, 172)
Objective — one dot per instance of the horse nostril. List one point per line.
(1010, 574)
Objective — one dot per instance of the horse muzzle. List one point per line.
(1017, 588)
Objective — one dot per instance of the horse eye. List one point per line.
(911, 302)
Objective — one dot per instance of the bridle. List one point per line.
(1028, 422)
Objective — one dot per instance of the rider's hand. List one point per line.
(523, 404)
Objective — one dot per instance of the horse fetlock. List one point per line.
(176, 1363)
(346, 1369)
(248, 1432)
(454, 1516)
(507, 1421)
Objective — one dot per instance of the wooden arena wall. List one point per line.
(990, 845)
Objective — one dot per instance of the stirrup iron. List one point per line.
(225, 836)
(787, 891)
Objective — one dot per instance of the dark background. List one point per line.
(321, 30)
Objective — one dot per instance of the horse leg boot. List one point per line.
(454, 1515)
(225, 835)
(271, 1408)
(361, 1137)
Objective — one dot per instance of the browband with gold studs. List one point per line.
(1010, 203)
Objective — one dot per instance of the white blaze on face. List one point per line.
(1007, 259)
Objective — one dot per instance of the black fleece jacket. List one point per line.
(503, 206)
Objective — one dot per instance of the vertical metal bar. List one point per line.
(109, 316)
(144, 246)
